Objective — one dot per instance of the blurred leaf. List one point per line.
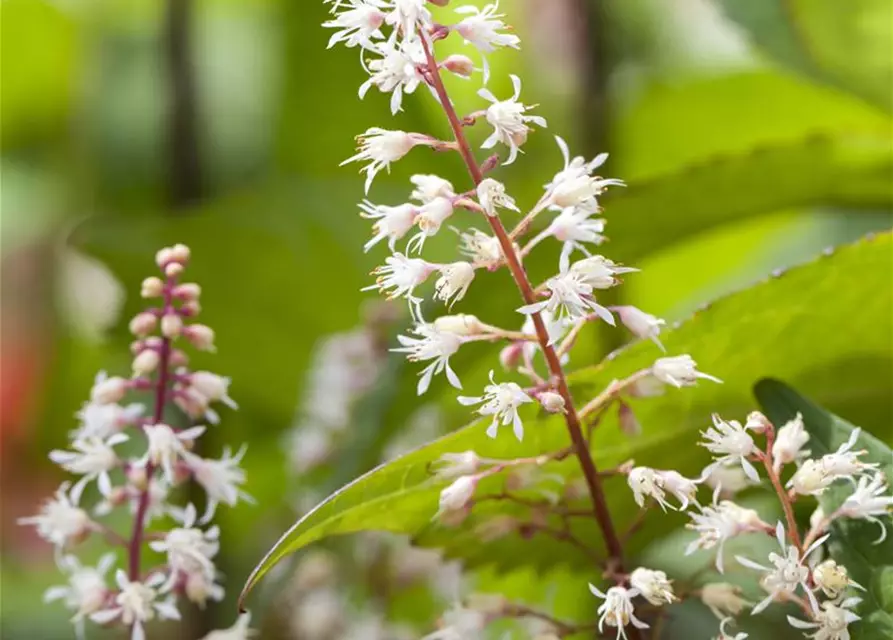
(847, 44)
(852, 542)
(782, 327)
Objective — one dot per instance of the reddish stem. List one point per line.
(766, 458)
(581, 448)
(139, 524)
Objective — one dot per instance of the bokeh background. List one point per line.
(753, 135)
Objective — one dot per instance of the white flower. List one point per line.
(833, 579)
(814, 476)
(457, 496)
(653, 586)
(215, 388)
(453, 465)
(396, 72)
(789, 442)
(399, 277)
(358, 25)
(381, 147)
(219, 478)
(679, 371)
(432, 344)
(723, 599)
(481, 28)
(500, 401)
(575, 186)
(86, 590)
(787, 572)
(573, 169)
(492, 196)
(647, 482)
(570, 298)
(200, 587)
(729, 479)
(93, 458)
(428, 187)
(597, 271)
(136, 603)
(108, 390)
(166, 446)
(454, 281)
(407, 15)
(239, 631)
(831, 622)
(730, 443)
(810, 479)
(719, 522)
(459, 623)
(484, 250)
(189, 550)
(683, 488)
(725, 635)
(509, 121)
(574, 227)
(430, 218)
(101, 420)
(617, 609)
(391, 222)
(61, 522)
(869, 501)
(643, 325)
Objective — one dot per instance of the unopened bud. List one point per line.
(457, 496)
(143, 324)
(459, 64)
(152, 287)
(163, 257)
(136, 476)
(510, 356)
(146, 362)
(180, 253)
(757, 422)
(629, 424)
(178, 358)
(201, 336)
(210, 385)
(455, 465)
(171, 325)
(552, 402)
(117, 496)
(173, 269)
(187, 291)
(460, 325)
(109, 391)
(190, 309)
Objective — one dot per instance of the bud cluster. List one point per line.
(135, 457)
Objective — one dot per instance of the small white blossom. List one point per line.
(576, 227)
(833, 579)
(454, 281)
(358, 25)
(431, 344)
(430, 219)
(570, 298)
(136, 603)
(814, 476)
(200, 587)
(679, 371)
(239, 631)
(213, 387)
(461, 324)
(108, 390)
(381, 147)
(787, 571)
(429, 186)
(617, 609)
(597, 271)
(166, 446)
(789, 443)
(189, 550)
(492, 196)
(870, 501)
(399, 277)
(86, 590)
(730, 443)
(457, 496)
(718, 522)
(653, 483)
(575, 186)
(481, 28)
(220, 479)
(500, 401)
(729, 479)
(396, 72)
(407, 16)
(484, 250)
(509, 121)
(390, 222)
(93, 458)
(552, 402)
(723, 599)
(832, 622)
(643, 325)
(653, 586)
(454, 465)
(61, 521)
(100, 420)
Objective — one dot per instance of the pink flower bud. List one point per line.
(173, 269)
(178, 358)
(552, 402)
(136, 476)
(190, 309)
(152, 287)
(510, 356)
(143, 324)
(758, 423)
(180, 253)
(459, 64)
(163, 257)
(146, 362)
(187, 291)
(201, 336)
(629, 424)
(171, 325)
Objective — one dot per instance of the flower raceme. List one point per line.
(182, 555)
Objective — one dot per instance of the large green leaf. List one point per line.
(852, 542)
(784, 326)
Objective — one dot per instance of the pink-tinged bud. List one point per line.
(136, 476)
(459, 64)
(552, 402)
(143, 324)
(109, 391)
(190, 309)
(757, 422)
(173, 269)
(163, 257)
(191, 401)
(187, 291)
(117, 496)
(171, 325)
(629, 424)
(152, 287)
(146, 362)
(180, 253)
(201, 336)
(491, 163)
(178, 358)
(510, 356)
(210, 385)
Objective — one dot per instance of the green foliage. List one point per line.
(853, 542)
(782, 326)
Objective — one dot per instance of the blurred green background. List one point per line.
(752, 135)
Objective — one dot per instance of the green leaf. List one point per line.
(783, 327)
(852, 542)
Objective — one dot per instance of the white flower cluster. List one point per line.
(134, 458)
